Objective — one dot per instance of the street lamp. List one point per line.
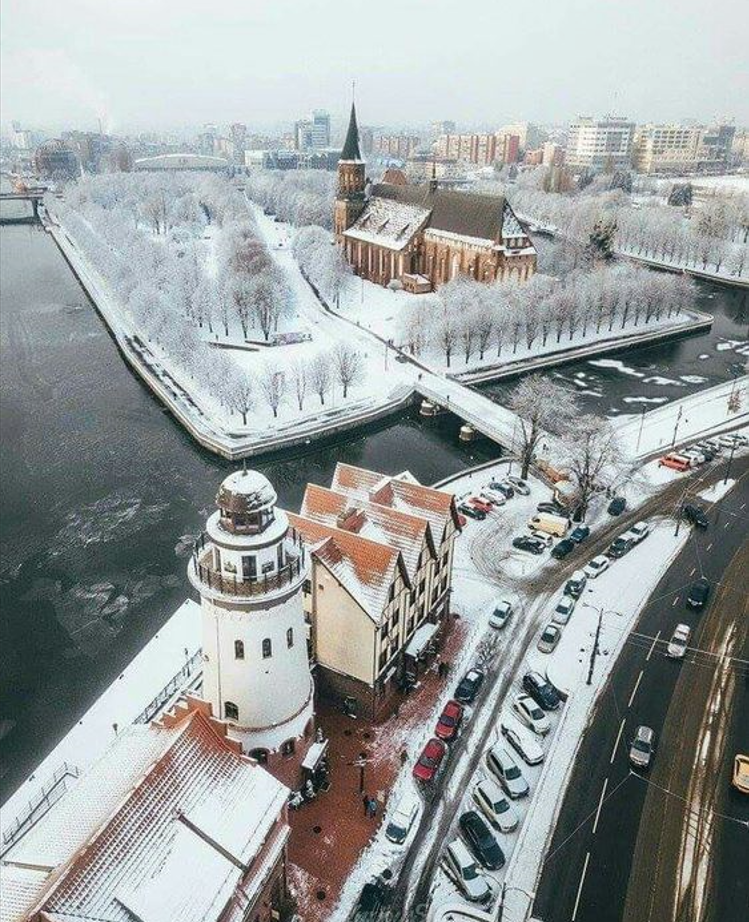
(595, 651)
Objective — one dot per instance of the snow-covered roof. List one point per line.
(144, 835)
(388, 223)
(511, 227)
(251, 484)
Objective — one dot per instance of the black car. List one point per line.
(481, 841)
(564, 547)
(617, 505)
(551, 508)
(619, 547)
(542, 691)
(529, 543)
(698, 593)
(579, 534)
(694, 515)
(471, 512)
(504, 488)
(373, 899)
(469, 686)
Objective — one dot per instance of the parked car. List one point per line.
(528, 749)
(707, 450)
(576, 583)
(529, 543)
(695, 515)
(679, 642)
(675, 462)
(531, 714)
(495, 806)
(462, 522)
(640, 531)
(469, 686)
(620, 546)
(460, 866)
(428, 763)
(715, 446)
(564, 608)
(501, 615)
(449, 721)
(579, 534)
(403, 817)
(597, 566)
(642, 750)
(740, 779)
(699, 593)
(519, 485)
(507, 771)
(617, 505)
(552, 508)
(493, 497)
(471, 512)
(563, 548)
(481, 504)
(695, 456)
(504, 487)
(542, 691)
(735, 440)
(550, 524)
(550, 637)
(481, 841)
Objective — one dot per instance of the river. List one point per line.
(103, 491)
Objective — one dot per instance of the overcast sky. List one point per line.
(163, 64)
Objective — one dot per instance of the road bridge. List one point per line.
(478, 410)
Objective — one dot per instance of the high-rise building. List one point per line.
(400, 146)
(320, 129)
(679, 148)
(600, 144)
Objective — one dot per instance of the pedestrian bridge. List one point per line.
(479, 411)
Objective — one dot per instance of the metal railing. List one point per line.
(233, 585)
(45, 798)
(174, 684)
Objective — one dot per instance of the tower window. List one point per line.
(287, 748)
(267, 648)
(259, 755)
(238, 649)
(231, 711)
(290, 637)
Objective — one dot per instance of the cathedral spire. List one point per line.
(351, 146)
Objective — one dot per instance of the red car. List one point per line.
(430, 760)
(462, 520)
(481, 504)
(449, 721)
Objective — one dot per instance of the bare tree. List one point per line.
(320, 375)
(348, 365)
(542, 406)
(298, 375)
(595, 459)
(242, 395)
(274, 386)
(447, 333)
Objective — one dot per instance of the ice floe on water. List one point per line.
(618, 366)
(693, 379)
(662, 382)
(644, 399)
(111, 517)
(738, 345)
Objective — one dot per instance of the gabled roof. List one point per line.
(351, 144)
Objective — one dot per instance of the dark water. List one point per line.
(101, 493)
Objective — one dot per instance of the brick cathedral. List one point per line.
(423, 235)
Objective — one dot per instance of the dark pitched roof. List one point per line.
(464, 213)
(351, 145)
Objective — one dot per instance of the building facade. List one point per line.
(397, 146)
(479, 149)
(682, 148)
(598, 145)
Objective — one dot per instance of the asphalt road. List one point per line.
(642, 847)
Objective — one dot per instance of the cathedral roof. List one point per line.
(351, 145)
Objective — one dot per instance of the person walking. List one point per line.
(365, 801)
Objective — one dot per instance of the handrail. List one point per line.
(242, 588)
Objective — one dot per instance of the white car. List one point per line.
(492, 496)
(529, 750)
(501, 615)
(679, 642)
(507, 771)
(564, 609)
(495, 806)
(694, 455)
(597, 566)
(640, 530)
(531, 714)
(519, 486)
(460, 867)
(402, 819)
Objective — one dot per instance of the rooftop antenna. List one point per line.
(353, 91)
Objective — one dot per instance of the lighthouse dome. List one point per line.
(246, 502)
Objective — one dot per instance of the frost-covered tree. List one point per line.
(242, 395)
(274, 386)
(594, 458)
(320, 375)
(298, 379)
(542, 406)
(348, 365)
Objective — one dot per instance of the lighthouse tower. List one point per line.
(249, 567)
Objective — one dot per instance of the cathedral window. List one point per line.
(267, 648)
(231, 711)
(238, 649)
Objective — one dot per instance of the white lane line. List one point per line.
(600, 804)
(675, 602)
(580, 887)
(652, 646)
(727, 525)
(616, 744)
(742, 505)
(634, 690)
(693, 571)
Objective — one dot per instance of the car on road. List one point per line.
(699, 593)
(481, 504)
(469, 686)
(551, 508)
(520, 486)
(597, 566)
(504, 766)
(460, 867)
(531, 714)
(529, 543)
(449, 721)
(695, 515)
(620, 546)
(465, 509)
(576, 583)
(501, 615)
(564, 547)
(403, 817)
(679, 642)
(640, 531)
(504, 487)
(428, 763)
(493, 803)
(481, 841)
(642, 750)
(550, 637)
(542, 691)
(579, 534)
(695, 456)
(563, 611)
(617, 505)
(528, 749)
(740, 778)
(492, 497)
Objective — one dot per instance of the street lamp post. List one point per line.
(639, 434)
(676, 427)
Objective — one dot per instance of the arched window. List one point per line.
(287, 748)
(267, 648)
(259, 755)
(238, 649)
(290, 637)
(231, 711)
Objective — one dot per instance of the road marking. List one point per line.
(634, 690)
(693, 571)
(675, 602)
(709, 546)
(580, 887)
(616, 744)
(600, 804)
(727, 525)
(742, 505)
(652, 646)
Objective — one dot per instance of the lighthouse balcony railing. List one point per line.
(208, 575)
